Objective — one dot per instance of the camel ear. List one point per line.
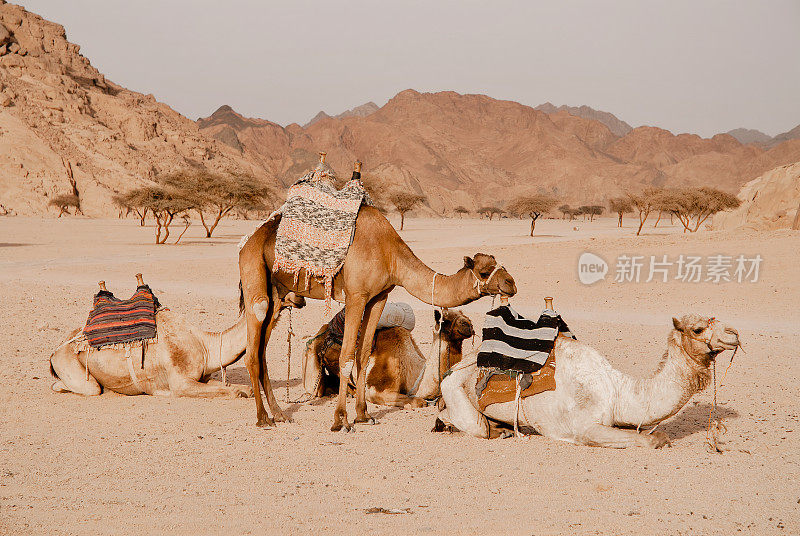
(677, 324)
(469, 263)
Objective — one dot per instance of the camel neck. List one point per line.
(225, 347)
(649, 401)
(449, 290)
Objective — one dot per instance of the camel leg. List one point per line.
(253, 363)
(212, 389)
(255, 289)
(459, 410)
(372, 313)
(598, 435)
(274, 407)
(354, 309)
(72, 374)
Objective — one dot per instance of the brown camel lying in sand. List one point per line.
(398, 374)
(179, 363)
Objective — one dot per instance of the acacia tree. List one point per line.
(489, 212)
(122, 201)
(693, 206)
(564, 210)
(216, 195)
(644, 203)
(64, 202)
(593, 210)
(403, 202)
(534, 206)
(164, 202)
(619, 205)
(460, 210)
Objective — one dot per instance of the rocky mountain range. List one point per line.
(60, 118)
(473, 150)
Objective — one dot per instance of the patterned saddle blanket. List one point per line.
(516, 349)
(316, 227)
(114, 321)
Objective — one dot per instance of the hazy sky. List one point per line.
(688, 66)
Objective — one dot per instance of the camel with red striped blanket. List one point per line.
(179, 363)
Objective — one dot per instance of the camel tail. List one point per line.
(241, 298)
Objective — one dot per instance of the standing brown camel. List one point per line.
(377, 261)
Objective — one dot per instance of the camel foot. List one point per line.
(59, 387)
(365, 419)
(440, 426)
(279, 416)
(266, 422)
(341, 427)
(659, 439)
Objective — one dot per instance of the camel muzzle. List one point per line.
(729, 340)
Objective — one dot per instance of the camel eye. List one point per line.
(698, 331)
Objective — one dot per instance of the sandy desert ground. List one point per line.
(149, 465)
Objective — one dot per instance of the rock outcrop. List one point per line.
(61, 116)
(769, 202)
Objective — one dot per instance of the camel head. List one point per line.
(491, 278)
(455, 325)
(704, 338)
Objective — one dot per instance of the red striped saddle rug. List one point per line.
(115, 321)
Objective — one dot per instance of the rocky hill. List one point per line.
(473, 150)
(359, 111)
(614, 124)
(749, 135)
(61, 117)
(769, 202)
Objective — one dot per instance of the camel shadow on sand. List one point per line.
(694, 419)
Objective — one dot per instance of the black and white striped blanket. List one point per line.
(514, 343)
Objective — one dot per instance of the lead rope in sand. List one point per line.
(222, 368)
(437, 333)
(289, 333)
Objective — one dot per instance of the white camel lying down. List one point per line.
(178, 364)
(594, 404)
